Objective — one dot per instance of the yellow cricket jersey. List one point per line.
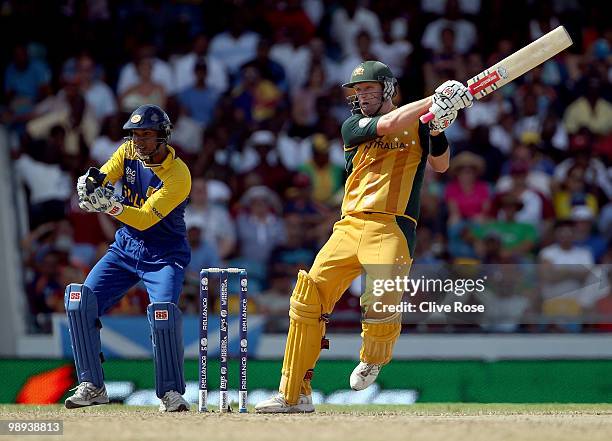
(385, 173)
(154, 197)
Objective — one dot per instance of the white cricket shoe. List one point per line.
(172, 401)
(364, 375)
(277, 404)
(87, 394)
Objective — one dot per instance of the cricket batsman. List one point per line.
(386, 150)
(151, 246)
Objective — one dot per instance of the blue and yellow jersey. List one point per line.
(154, 197)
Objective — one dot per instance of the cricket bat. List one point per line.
(515, 65)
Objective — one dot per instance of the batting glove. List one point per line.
(459, 95)
(441, 106)
(444, 122)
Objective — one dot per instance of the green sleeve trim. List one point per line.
(359, 129)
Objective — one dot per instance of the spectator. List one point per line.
(260, 157)
(188, 133)
(603, 306)
(260, 229)
(184, 68)
(146, 91)
(351, 19)
(49, 186)
(160, 71)
(327, 179)
(69, 110)
(199, 100)
(91, 235)
(98, 95)
(363, 52)
(289, 15)
(518, 238)
(292, 53)
(111, 137)
(564, 271)
(485, 112)
(444, 62)
(438, 7)
(596, 174)
(26, 82)
(501, 135)
(467, 197)
(214, 220)
(464, 30)
(535, 207)
(530, 121)
(235, 46)
(573, 191)
(304, 108)
(203, 253)
(295, 253)
(538, 169)
(554, 137)
(544, 20)
(392, 51)
(267, 67)
(585, 234)
(590, 110)
(256, 97)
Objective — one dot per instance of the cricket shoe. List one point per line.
(364, 375)
(87, 394)
(278, 404)
(172, 401)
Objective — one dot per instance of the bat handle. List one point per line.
(429, 116)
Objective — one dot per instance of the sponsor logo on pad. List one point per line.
(161, 314)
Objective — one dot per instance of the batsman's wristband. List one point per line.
(438, 144)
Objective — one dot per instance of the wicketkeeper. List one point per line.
(151, 246)
(386, 150)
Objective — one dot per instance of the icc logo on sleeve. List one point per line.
(130, 175)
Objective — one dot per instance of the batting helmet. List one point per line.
(152, 117)
(372, 71)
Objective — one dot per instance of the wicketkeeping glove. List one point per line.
(86, 185)
(103, 200)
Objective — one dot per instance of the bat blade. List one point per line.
(515, 65)
(520, 62)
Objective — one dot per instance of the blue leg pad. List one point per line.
(167, 336)
(84, 326)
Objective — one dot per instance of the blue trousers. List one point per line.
(128, 261)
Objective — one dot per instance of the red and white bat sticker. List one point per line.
(75, 296)
(484, 82)
(161, 314)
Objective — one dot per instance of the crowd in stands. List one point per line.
(253, 90)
